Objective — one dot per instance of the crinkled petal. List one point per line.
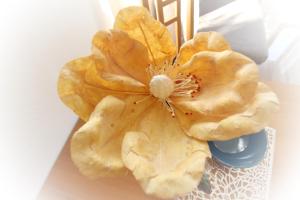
(165, 161)
(81, 85)
(202, 41)
(228, 82)
(140, 25)
(124, 55)
(75, 92)
(97, 76)
(96, 146)
(254, 118)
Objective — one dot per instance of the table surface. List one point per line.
(65, 182)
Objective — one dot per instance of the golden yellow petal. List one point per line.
(97, 77)
(202, 41)
(228, 82)
(75, 92)
(96, 146)
(82, 84)
(140, 25)
(255, 117)
(165, 161)
(125, 56)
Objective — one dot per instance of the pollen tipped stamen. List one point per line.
(163, 87)
(165, 68)
(186, 85)
(168, 105)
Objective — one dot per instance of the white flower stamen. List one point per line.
(161, 86)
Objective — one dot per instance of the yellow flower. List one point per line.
(151, 113)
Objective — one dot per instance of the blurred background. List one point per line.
(38, 36)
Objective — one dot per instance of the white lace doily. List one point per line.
(238, 184)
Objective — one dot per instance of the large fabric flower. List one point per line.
(151, 112)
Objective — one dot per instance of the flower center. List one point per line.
(161, 86)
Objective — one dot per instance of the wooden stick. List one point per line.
(177, 19)
(190, 20)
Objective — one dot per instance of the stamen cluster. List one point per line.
(186, 85)
(164, 88)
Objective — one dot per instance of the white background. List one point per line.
(36, 39)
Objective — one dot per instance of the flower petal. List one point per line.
(202, 41)
(228, 82)
(165, 161)
(96, 146)
(82, 84)
(73, 90)
(254, 118)
(140, 25)
(125, 56)
(98, 77)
